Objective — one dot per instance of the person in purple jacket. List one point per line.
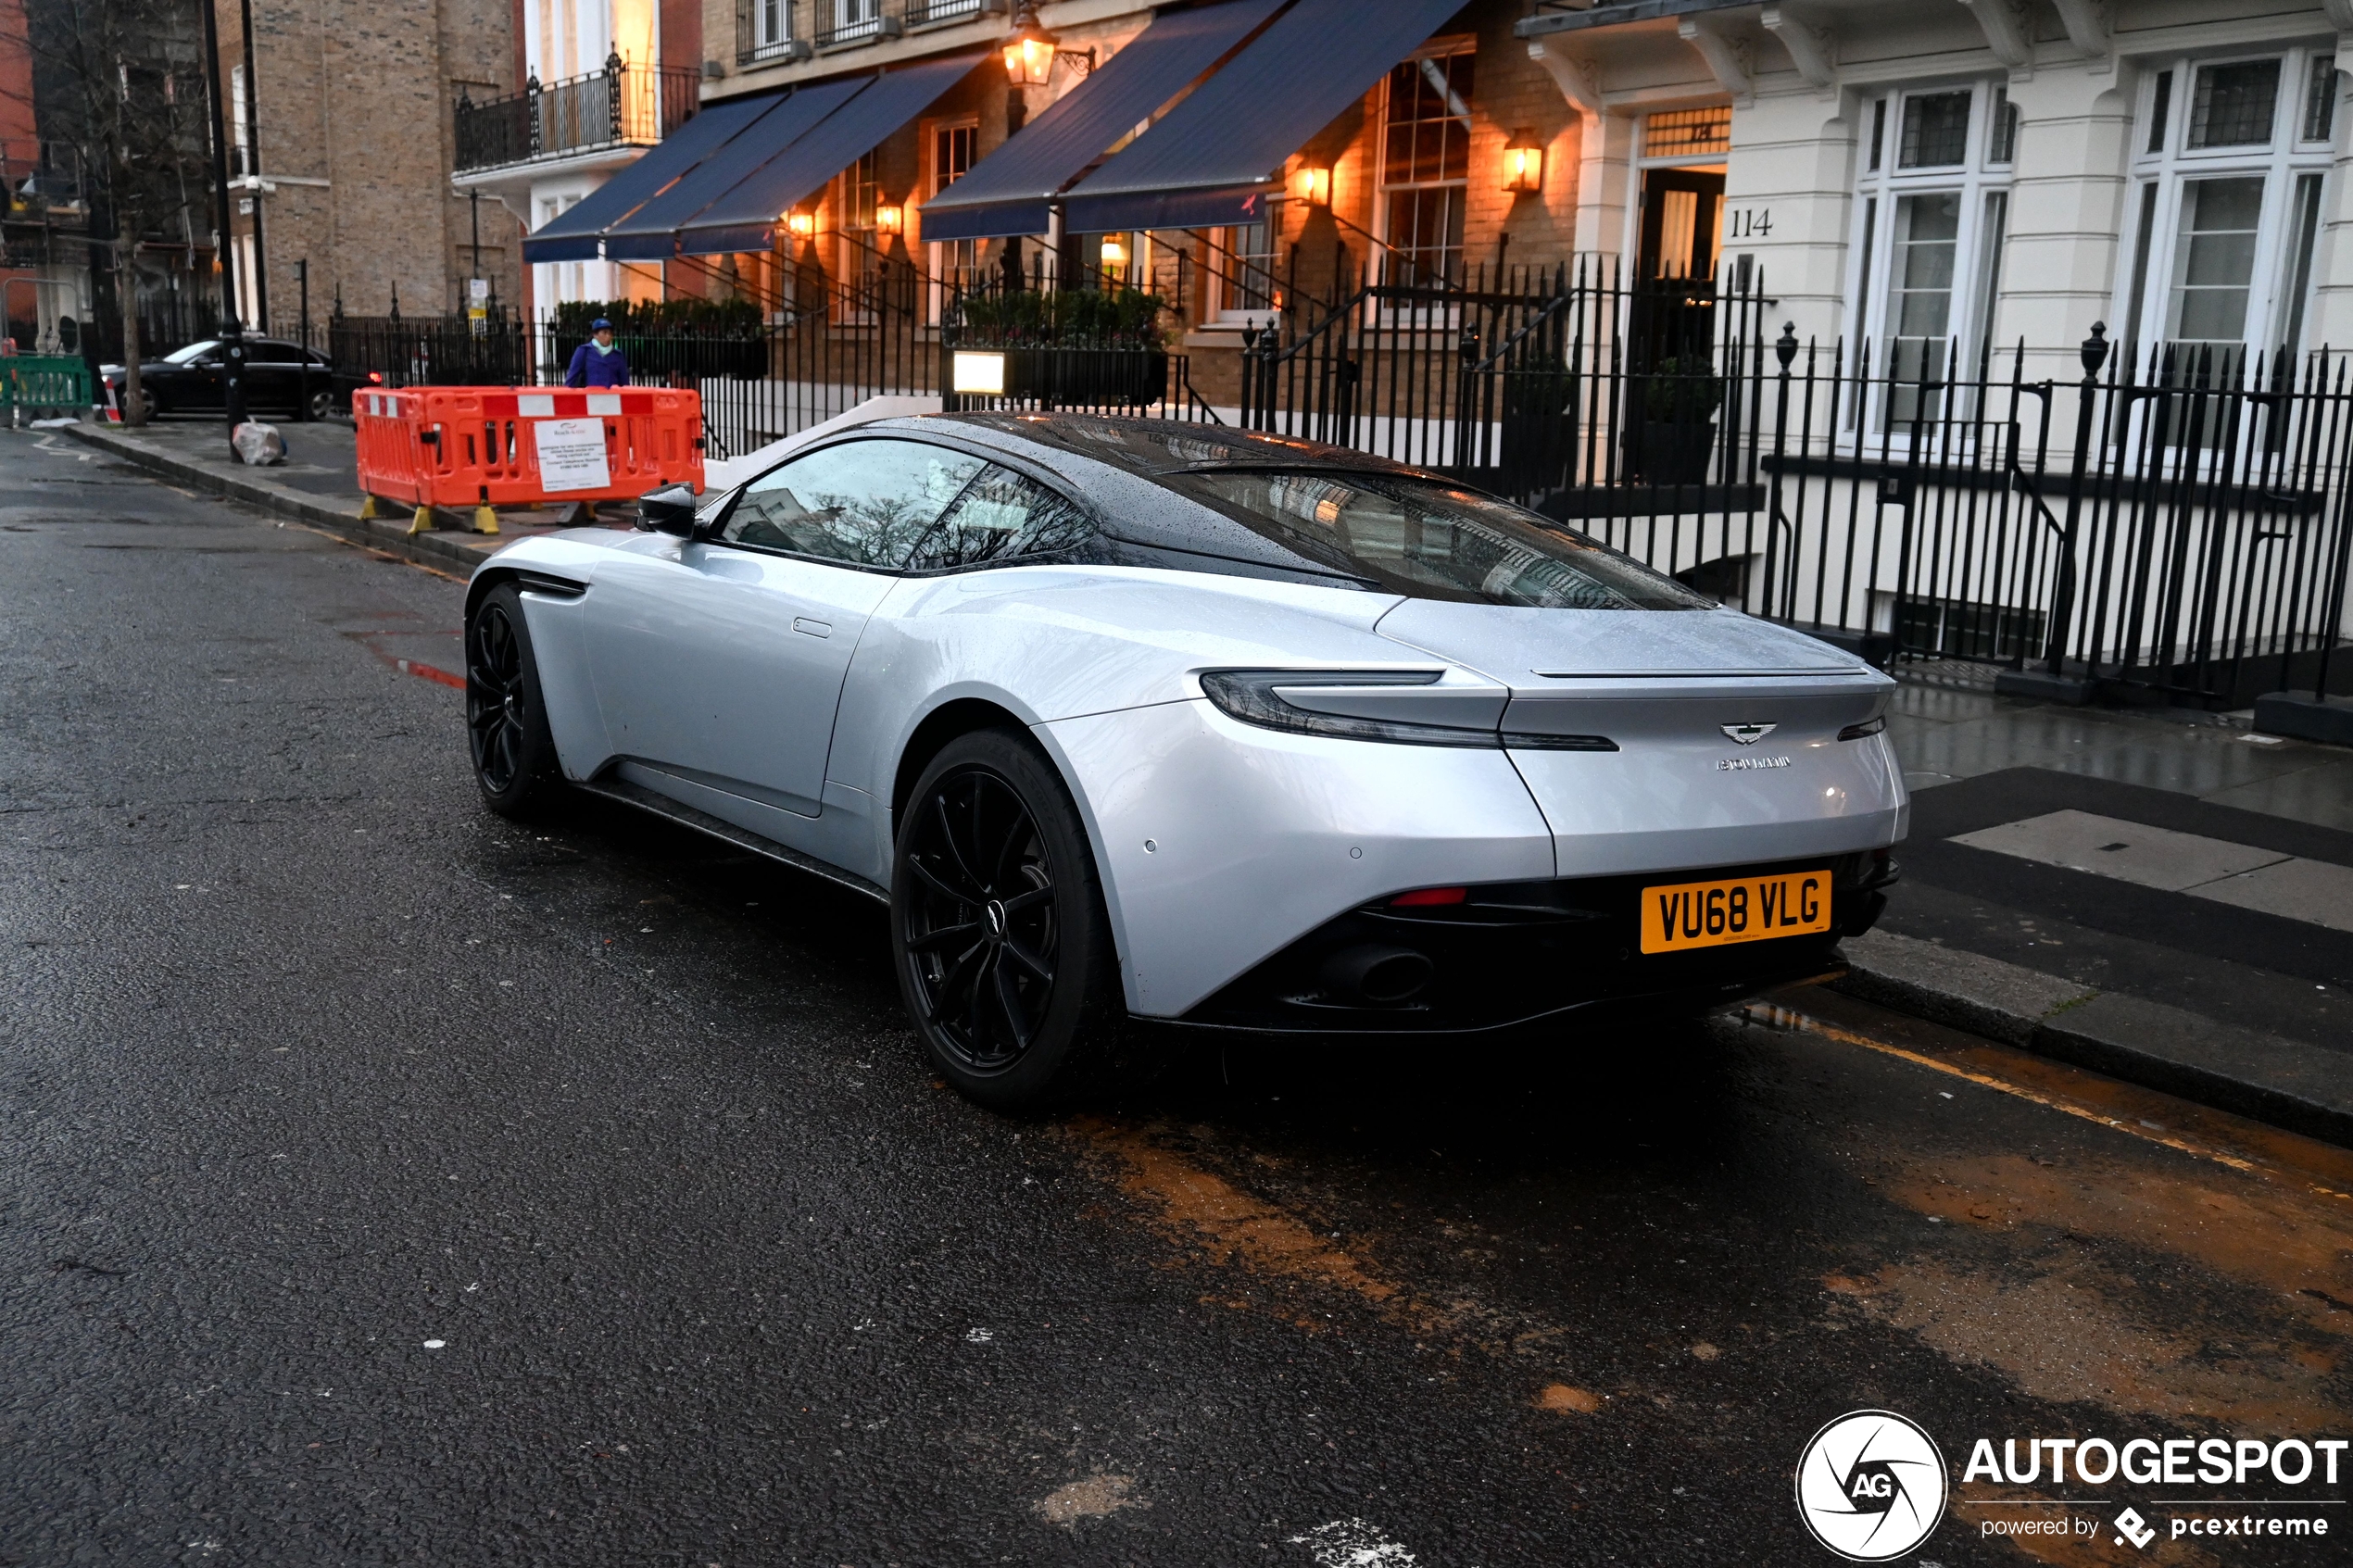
(598, 362)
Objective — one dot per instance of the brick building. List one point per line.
(342, 148)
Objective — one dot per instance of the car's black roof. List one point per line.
(1151, 448)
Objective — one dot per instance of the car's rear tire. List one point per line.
(1004, 954)
(514, 753)
(317, 406)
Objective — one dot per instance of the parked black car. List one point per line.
(280, 378)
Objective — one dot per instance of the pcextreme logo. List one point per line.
(1872, 1485)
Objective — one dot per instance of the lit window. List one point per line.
(1425, 168)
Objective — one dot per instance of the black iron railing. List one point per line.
(2176, 524)
(620, 106)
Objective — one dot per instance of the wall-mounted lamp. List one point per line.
(800, 224)
(1523, 164)
(1030, 53)
(1310, 184)
(890, 218)
(1114, 251)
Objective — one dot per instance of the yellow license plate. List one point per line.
(1743, 909)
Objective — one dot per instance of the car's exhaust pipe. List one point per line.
(1375, 976)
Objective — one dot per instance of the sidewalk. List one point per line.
(2163, 896)
(317, 483)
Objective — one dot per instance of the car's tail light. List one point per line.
(1423, 897)
(1251, 697)
(375, 378)
(1868, 727)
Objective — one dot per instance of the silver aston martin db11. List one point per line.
(1132, 718)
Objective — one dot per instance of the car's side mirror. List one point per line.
(668, 510)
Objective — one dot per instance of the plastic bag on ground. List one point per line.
(258, 444)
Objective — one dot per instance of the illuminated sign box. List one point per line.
(983, 374)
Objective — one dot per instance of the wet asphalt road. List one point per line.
(382, 1183)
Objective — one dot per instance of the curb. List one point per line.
(2299, 1087)
(385, 534)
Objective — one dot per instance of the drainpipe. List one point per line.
(253, 171)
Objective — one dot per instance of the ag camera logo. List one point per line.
(1872, 1485)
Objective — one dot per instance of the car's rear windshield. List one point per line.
(1431, 541)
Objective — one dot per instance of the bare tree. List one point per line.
(126, 84)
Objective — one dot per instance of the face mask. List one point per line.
(600, 348)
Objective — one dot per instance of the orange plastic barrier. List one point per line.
(487, 446)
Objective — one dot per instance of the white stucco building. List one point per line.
(1904, 170)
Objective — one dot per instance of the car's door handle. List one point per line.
(814, 628)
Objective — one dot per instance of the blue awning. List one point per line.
(1007, 192)
(651, 234)
(746, 216)
(1204, 160)
(573, 236)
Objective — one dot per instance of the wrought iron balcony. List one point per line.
(621, 106)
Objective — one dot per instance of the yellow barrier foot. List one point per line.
(368, 512)
(486, 520)
(422, 522)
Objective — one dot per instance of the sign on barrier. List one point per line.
(572, 454)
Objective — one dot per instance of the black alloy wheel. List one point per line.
(506, 721)
(316, 406)
(1004, 953)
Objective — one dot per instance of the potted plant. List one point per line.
(1680, 397)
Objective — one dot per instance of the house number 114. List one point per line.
(1749, 223)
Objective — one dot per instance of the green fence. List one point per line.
(43, 384)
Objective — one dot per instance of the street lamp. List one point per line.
(1523, 164)
(1030, 53)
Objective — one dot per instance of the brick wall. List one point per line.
(354, 122)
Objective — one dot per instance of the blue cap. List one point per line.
(601, 325)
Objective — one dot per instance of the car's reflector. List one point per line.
(1424, 895)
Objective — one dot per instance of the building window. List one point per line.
(1935, 129)
(955, 264)
(1424, 169)
(2235, 105)
(857, 191)
(2319, 100)
(1246, 274)
(2001, 144)
(1934, 216)
(1688, 133)
(852, 20)
(763, 30)
(2226, 204)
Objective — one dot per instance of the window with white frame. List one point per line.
(1248, 275)
(1934, 214)
(955, 264)
(2231, 155)
(1425, 165)
(858, 191)
(855, 19)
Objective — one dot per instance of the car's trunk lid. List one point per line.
(1726, 731)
